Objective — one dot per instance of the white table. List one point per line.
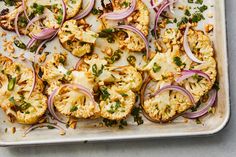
(222, 144)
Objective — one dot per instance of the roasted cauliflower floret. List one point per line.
(140, 18)
(163, 67)
(116, 104)
(132, 42)
(127, 77)
(54, 72)
(76, 37)
(83, 78)
(72, 6)
(200, 45)
(27, 111)
(16, 82)
(7, 21)
(166, 105)
(197, 85)
(72, 102)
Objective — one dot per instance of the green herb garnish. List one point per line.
(156, 68)
(105, 94)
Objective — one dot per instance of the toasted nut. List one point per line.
(209, 28)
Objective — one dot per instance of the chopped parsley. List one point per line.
(105, 94)
(107, 33)
(203, 8)
(114, 108)
(122, 123)
(187, 12)
(199, 1)
(109, 123)
(196, 17)
(37, 9)
(178, 61)
(73, 109)
(97, 72)
(136, 114)
(96, 11)
(216, 86)
(183, 20)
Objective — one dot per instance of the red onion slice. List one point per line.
(62, 131)
(78, 64)
(138, 32)
(52, 96)
(178, 89)
(120, 15)
(155, 6)
(45, 41)
(86, 11)
(189, 73)
(161, 9)
(45, 34)
(64, 12)
(31, 42)
(35, 19)
(16, 25)
(210, 102)
(25, 10)
(187, 47)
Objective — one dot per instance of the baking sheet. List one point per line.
(87, 131)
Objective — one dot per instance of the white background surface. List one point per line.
(222, 144)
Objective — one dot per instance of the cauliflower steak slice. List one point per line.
(76, 37)
(72, 102)
(16, 83)
(116, 104)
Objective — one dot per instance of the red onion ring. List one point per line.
(31, 42)
(35, 19)
(45, 34)
(78, 64)
(16, 25)
(210, 102)
(178, 89)
(52, 96)
(62, 131)
(64, 12)
(51, 107)
(120, 15)
(44, 42)
(155, 6)
(187, 47)
(86, 11)
(189, 73)
(138, 32)
(161, 9)
(143, 89)
(24, 9)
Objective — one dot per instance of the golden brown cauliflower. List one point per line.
(116, 104)
(166, 68)
(76, 37)
(16, 81)
(54, 72)
(72, 102)
(166, 105)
